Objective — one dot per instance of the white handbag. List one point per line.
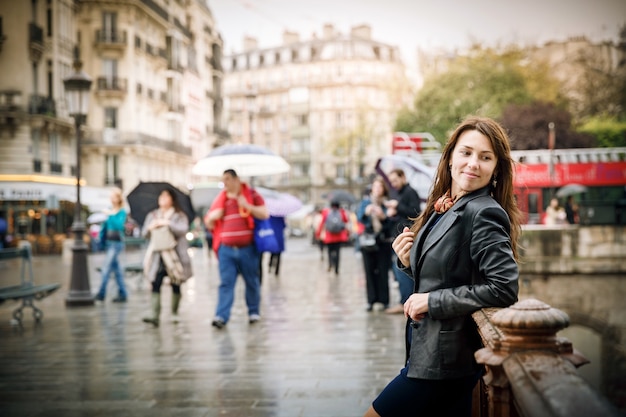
(162, 238)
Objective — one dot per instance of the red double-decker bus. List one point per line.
(595, 176)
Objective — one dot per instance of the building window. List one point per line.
(301, 145)
(282, 124)
(111, 166)
(49, 18)
(341, 171)
(55, 166)
(301, 120)
(36, 149)
(109, 26)
(110, 117)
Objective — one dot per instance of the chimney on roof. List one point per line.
(290, 37)
(363, 31)
(328, 32)
(249, 43)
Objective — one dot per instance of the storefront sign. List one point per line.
(21, 194)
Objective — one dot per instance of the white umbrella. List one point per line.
(570, 189)
(246, 159)
(97, 217)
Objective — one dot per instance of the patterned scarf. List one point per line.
(444, 202)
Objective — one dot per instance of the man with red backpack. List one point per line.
(333, 232)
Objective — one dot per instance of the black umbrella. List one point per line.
(340, 196)
(144, 198)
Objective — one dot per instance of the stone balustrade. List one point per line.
(573, 249)
(530, 371)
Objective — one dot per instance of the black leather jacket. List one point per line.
(465, 263)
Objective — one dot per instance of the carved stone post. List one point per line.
(527, 325)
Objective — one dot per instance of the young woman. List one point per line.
(173, 262)
(461, 252)
(112, 233)
(372, 213)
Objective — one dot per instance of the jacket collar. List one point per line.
(447, 220)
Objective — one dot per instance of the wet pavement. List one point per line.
(316, 351)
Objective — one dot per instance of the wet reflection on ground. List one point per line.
(316, 352)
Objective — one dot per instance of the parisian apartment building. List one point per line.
(155, 102)
(326, 104)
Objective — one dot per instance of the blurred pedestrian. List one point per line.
(555, 214)
(166, 256)
(571, 210)
(333, 231)
(3, 230)
(231, 218)
(402, 210)
(318, 239)
(372, 213)
(278, 225)
(461, 252)
(111, 239)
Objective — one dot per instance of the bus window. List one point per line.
(533, 209)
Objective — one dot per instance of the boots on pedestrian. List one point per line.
(175, 303)
(156, 310)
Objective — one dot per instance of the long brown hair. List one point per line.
(502, 192)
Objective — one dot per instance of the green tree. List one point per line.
(527, 126)
(482, 83)
(608, 132)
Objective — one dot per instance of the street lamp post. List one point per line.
(251, 101)
(77, 87)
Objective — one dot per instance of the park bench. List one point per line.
(26, 290)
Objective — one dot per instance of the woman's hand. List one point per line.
(416, 306)
(402, 246)
(158, 223)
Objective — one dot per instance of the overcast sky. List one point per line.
(427, 24)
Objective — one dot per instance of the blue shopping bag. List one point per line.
(264, 237)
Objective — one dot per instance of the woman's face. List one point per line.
(377, 189)
(472, 163)
(116, 199)
(165, 200)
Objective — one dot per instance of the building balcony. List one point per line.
(111, 83)
(56, 168)
(175, 66)
(115, 138)
(42, 105)
(300, 157)
(301, 131)
(304, 181)
(36, 45)
(117, 182)
(111, 86)
(175, 108)
(156, 8)
(111, 39)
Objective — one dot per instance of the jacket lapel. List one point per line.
(448, 219)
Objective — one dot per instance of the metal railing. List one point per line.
(41, 105)
(111, 84)
(111, 37)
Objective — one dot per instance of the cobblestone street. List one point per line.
(316, 351)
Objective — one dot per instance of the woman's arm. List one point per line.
(491, 255)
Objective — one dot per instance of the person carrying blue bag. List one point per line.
(231, 218)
